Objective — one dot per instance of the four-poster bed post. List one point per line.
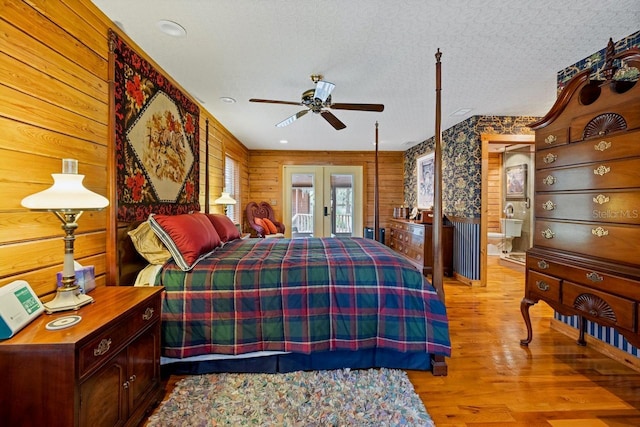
(206, 168)
(376, 197)
(437, 276)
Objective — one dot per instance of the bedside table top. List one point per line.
(110, 303)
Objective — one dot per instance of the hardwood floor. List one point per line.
(493, 380)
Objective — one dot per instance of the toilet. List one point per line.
(499, 243)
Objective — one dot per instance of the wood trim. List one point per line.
(486, 139)
(600, 346)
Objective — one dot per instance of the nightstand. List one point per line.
(105, 370)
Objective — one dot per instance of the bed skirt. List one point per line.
(289, 362)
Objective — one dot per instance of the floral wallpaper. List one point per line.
(596, 60)
(461, 161)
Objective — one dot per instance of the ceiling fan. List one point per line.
(317, 101)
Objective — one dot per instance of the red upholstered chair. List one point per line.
(262, 210)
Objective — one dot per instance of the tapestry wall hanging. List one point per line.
(156, 139)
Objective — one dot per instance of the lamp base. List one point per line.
(67, 299)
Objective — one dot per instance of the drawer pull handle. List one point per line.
(548, 205)
(550, 139)
(148, 314)
(548, 234)
(594, 277)
(601, 170)
(600, 232)
(550, 158)
(602, 145)
(542, 285)
(549, 180)
(132, 378)
(103, 347)
(601, 199)
(543, 265)
(125, 385)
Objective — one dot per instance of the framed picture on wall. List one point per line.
(516, 182)
(425, 170)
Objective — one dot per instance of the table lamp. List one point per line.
(67, 198)
(226, 200)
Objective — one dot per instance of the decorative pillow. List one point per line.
(261, 223)
(270, 225)
(226, 229)
(189, 237)
(149, 245)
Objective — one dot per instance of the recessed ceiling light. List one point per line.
(283, 141)
(171, 28)
(461, 112)
(227, 100)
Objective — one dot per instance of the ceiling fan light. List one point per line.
(323, 90)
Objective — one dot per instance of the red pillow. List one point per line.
(270, 225)
(224, 226)
(188, 237)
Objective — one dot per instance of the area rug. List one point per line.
(373, 397)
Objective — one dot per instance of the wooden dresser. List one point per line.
(585, 259)
(103, 371)
(414, 241)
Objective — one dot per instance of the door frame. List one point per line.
(320, 179)
(488, 138)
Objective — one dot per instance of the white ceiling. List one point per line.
(500, 57)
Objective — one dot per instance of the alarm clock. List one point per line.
(19, 305)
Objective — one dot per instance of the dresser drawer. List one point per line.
(145, 316)
(600, 175)
(622, 207)
(600, 306)
(104, 346)
(585, 276)
(113, 339)
(606, 241)
(551, 137)
(543, 286)
(593, 150)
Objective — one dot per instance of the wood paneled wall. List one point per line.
(494, 194)
(54, 104)
(265, 172)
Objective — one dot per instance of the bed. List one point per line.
(279, 305)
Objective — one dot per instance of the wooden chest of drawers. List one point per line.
(414, 241)
(103, 371)
(585, 258)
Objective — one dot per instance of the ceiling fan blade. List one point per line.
(360, 107)
(323, 90)
(271, 101)
(333, 120)
(289, 120)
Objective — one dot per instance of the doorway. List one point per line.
(519, 151)
(323, 201)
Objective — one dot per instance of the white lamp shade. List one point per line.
(225, 199)
(66, 194)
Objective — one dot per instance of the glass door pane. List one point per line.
(341, 187)
(303, 202)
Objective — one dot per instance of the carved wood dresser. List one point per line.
(415, 241)
(585, 258)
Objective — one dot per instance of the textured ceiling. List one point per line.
(500, 57)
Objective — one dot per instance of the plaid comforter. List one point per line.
(300, 295)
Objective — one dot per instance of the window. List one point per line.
(232, 186)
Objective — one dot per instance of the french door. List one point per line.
(323, 201)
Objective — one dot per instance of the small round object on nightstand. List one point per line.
(63, 322)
